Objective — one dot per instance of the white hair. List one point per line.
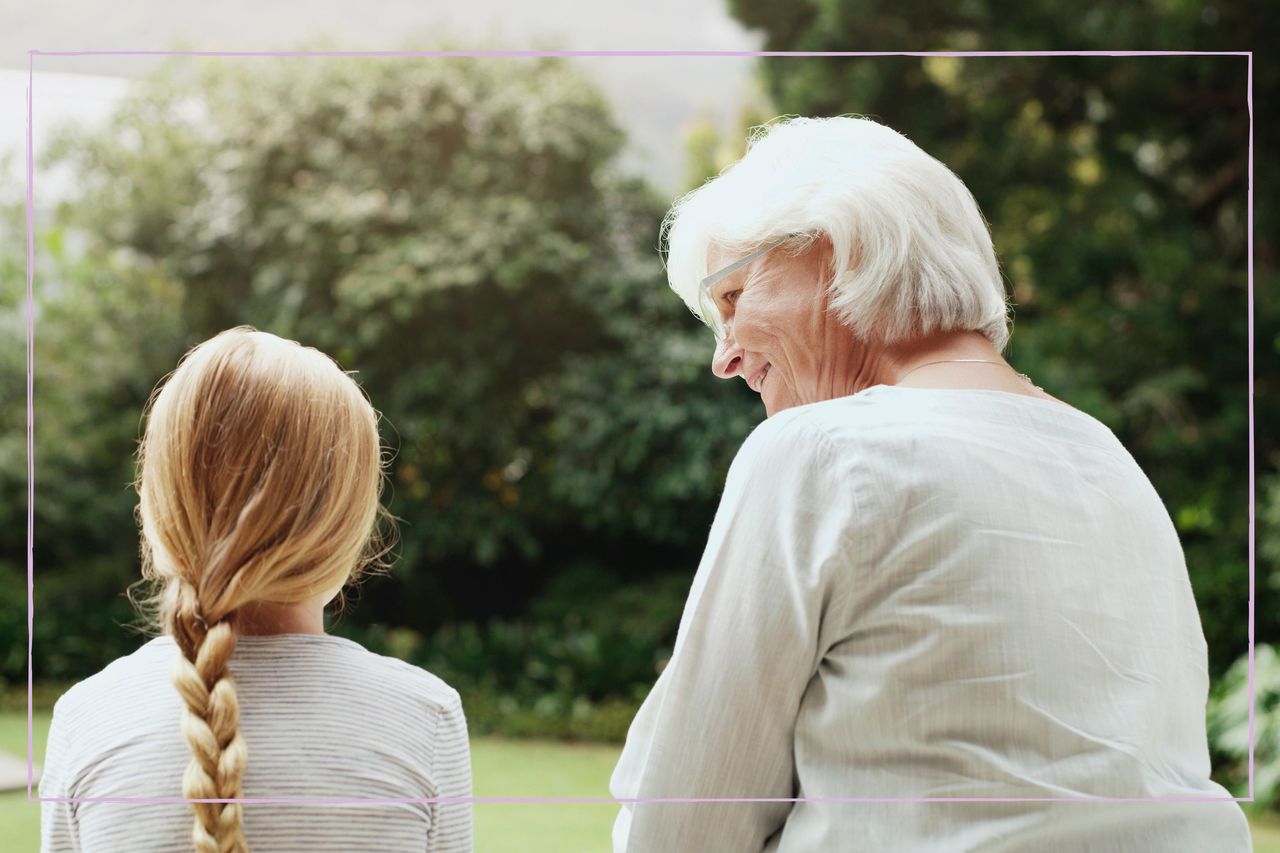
(912, 253)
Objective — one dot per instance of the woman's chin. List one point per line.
(774, 401)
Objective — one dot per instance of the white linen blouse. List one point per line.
(915, 592)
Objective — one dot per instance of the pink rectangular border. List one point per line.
(30, 215)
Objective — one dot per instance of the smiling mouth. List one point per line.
(757, 381)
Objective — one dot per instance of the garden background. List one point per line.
(467, 234)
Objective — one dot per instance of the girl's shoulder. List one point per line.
(278, 660)
(269, 666)
(123, 676)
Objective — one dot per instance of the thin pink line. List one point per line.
(31, 426)
(30, 208)
(621, 800)
(1249, 103)
(638, 53)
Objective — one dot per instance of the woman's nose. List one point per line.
(728, 358)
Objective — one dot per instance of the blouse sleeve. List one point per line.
(720, 722)
(58, 833)
(452, 765)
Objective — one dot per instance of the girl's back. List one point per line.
(323, 720)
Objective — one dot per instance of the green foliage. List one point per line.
(92, 369)
(576, 666)
(1229, 729)
(710, 149)
(1268, 526)
(457, 232)
(435, 224)
(1116, 192)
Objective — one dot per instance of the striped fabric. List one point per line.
(322, 717)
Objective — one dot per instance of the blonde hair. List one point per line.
(259, 481)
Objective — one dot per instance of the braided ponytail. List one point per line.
(209, 724)
(259, 480)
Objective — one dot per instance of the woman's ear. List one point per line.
(823, 255)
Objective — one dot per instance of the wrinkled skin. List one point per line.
(787, 345)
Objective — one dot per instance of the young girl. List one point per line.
(259, 484)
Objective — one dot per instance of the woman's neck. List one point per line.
(961, 360)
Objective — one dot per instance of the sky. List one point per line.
(655, 98)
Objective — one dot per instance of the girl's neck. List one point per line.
(263, 618)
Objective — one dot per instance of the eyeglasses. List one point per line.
(707, 305)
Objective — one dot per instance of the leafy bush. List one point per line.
(459, 232)
(1229, 727)
(490, 712)
(575, 667)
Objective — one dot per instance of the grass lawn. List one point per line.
(1266, 834)
(502, 768)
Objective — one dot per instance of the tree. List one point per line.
(455, 230)
(105, 330)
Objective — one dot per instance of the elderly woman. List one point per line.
(928, 579)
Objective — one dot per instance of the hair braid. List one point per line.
(246, 424)
(209, 723)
